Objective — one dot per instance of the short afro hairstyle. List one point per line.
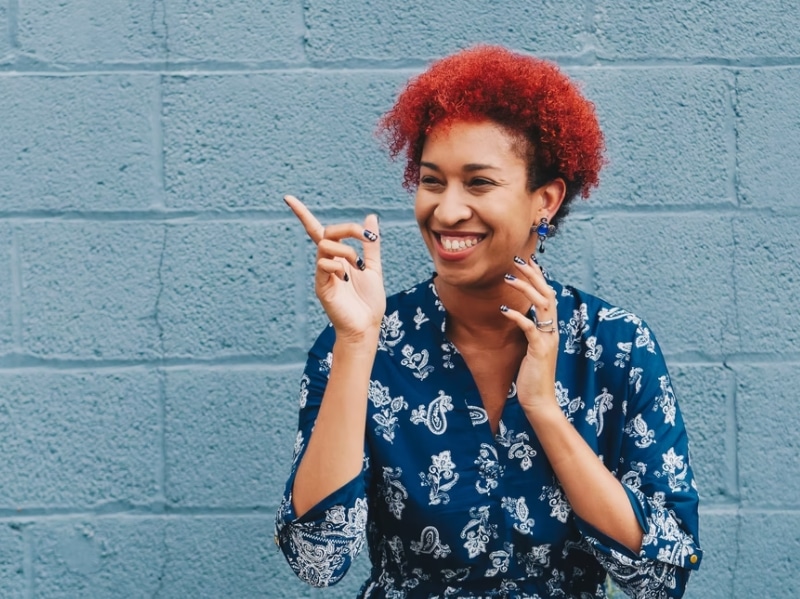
(529, 96)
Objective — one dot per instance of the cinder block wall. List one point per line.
(156, 299)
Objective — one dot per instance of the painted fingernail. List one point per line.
(360, 264)
(346, 277)
(370, 235)
(504, 308)
(534, 260)
(510, 277)
(519, 260)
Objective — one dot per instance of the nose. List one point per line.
(452, 207)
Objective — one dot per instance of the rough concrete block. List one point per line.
(95, 32)
(704, 395)
(769, 551)
(90, 289)
(9, 306)
(768, 419)
(668, 138)
(719, 539)
(227, 556)
(235, 31)
(243, 141)
(767, 277)
(5, 41)
(78, 440)
(768, 127)
(228, 290)
(680, 283)
(697, 29)
(79, 143)
(115, 556)
(12, 561)
(230, 435)
(340, 31)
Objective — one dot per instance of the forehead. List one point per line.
(474, 141)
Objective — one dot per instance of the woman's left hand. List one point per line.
(537, 372)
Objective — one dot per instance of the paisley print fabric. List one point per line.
(449, 509)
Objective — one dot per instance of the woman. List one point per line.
(490, 432)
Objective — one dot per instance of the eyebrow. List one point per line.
(467, 168)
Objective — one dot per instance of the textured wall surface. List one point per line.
(156, 300)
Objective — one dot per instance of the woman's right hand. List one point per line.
(350, 290)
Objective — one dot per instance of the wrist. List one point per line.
(361, 343)
(543, 412)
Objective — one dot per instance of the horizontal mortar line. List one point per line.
(135, 512)
(581, 212)
(188, 216)
(735, 509)
(24, 65)
(290, 358)
(293, 357)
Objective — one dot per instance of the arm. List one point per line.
(657, 476)
(321, 523)
(335, 452)
(595, 495)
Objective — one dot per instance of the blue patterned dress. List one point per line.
(449, 509)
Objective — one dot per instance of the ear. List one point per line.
(547, 199)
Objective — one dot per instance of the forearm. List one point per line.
(335, 451)
(594, 493)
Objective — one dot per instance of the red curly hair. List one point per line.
(529, 96)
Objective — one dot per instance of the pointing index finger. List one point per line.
(310, 223)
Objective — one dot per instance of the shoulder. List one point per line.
(587, 321)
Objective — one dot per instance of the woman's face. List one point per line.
(473, 206)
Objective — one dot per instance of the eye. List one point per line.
(429, 181)
(480, 182)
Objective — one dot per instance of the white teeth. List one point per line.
(456, 245)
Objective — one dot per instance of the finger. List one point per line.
(341, 231)
(529, 327)
(333, 267)
(328, 248)
(372, 248)
(529, 291)
(520, 320)
(537, 277)
(310, 223)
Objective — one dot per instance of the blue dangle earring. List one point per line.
(543, 230)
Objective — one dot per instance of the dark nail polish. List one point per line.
(360, 264)
(510, 277)
(346, 277)
(504, 308)
(370, 235)
(519, 260)
(533, 259)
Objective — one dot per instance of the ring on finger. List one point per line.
(537, 322)
(545, 327)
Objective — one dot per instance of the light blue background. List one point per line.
(156, 298)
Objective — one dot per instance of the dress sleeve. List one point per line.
(656, 473)
(321, 545)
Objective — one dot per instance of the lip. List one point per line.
(450, 255)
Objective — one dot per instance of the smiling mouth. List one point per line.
(455, 244)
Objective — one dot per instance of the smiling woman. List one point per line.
(467, 429)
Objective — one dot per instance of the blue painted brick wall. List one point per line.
(156, 300)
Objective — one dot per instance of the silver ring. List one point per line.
(539, 326)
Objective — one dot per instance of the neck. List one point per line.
(474, 314)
